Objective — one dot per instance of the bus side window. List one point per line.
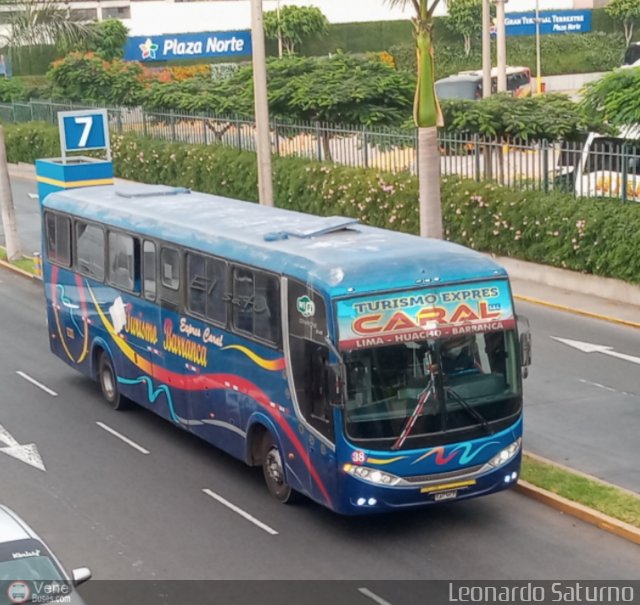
(256, 304)
(58, 232)
(170, 268)
(90, 250)
(124, 261)
(207, 286)
(149, 270)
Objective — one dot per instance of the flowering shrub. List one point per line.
(596, 236)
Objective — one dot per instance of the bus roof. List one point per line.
(335, 254)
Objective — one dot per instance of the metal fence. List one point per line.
(523, 165)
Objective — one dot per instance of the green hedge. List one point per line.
(561, 54)
(595, 236)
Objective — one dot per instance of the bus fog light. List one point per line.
(507, 478)
(361, 501)
(514, 476)
(372, 502)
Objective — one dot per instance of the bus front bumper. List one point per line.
(364, 498)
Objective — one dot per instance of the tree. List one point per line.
(87, 78)
(627, 11)
(44, 22)
(465, 18)
(615, 98)
(108, 40)
(293, 24)
(428, 117)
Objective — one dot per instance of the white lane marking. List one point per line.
(45, 388)
(588, 347)
(7, 438)
(128, 441)
(606, 388)
(25, 453)
(373, 596)
(241, 512)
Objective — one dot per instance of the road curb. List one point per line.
(590, 314)
(19, 271)
(579, 511)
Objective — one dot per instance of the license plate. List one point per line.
(445, 495)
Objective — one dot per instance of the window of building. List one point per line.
(256, 304)
(90, 250)
(58, 229)
(116, 12)
(206, 294)
(83, 14)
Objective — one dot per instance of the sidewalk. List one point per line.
(598, 297)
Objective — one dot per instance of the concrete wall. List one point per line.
(570, 82)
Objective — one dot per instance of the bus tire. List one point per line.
(273, 470)
(108, 381)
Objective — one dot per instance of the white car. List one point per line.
(29, 572)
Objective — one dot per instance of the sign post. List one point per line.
(82, 130)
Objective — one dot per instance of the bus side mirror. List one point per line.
(335, 384)
(525, 345)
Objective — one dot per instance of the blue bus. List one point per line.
(367, 369)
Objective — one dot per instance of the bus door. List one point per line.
(308, 363)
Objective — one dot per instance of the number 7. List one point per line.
(87, 122)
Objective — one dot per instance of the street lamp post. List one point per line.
(501, 40)
(538, 69)
(279, 30)
(263, 134)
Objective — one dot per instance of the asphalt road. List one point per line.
(583, 409)
(130, 515)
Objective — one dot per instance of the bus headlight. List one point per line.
(506, 454)
(371, 475)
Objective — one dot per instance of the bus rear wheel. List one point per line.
(273, 469)
(109, 383)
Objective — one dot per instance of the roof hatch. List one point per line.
(139, 190)
(322, 226)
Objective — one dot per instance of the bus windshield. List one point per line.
(477, 383)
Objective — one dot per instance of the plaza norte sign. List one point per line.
(187, 46)
(551, 22)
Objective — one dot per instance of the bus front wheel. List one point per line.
(273, 469)
(109, 383)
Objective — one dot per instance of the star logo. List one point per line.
(149, 49)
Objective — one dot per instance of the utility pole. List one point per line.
(12, 243)
(263, 134)
(486, 48)
(501, 40)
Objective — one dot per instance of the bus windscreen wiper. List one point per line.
(469, 408)
(423, 397)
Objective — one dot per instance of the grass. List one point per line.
(602, 497)
(25, 263)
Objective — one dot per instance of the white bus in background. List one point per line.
(609, 166)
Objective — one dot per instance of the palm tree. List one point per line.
(427, 116)
(43, 22)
